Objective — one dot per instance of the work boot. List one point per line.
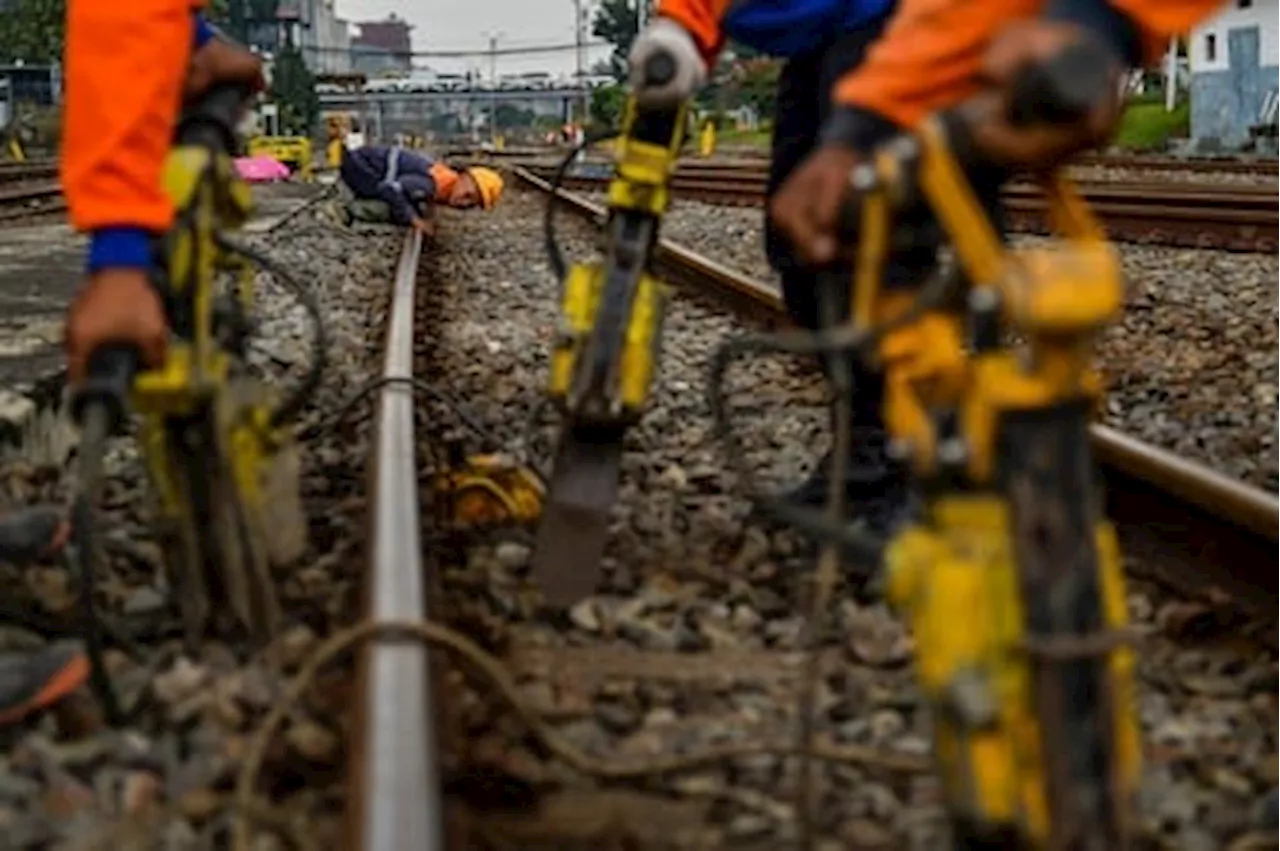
(33, 680)
(32, 533)
(367, 211)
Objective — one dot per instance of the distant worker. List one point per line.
(355, 137)
(393, 185)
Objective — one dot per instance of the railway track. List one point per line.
(1257, 167)
(1191, 533)
(394, 756)
(31, 170)
(1146, 484)
(1206, 216)
(636, 722)
(25, 202)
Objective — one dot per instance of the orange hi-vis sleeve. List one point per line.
(930, 56)
(444, 177)
(702, 18)
(125, 62)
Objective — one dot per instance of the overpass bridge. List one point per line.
(387, 113)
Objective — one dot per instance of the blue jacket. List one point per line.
(394, 175)
(783, 28)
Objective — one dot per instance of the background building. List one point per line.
(380, 47)
(323, 37)
(1234, 60)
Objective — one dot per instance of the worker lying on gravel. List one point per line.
(821, 40)
(936, 54)
(125, 65)
(399, 186)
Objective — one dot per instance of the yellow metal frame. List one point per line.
(196, 378)
(640, 185)
(291, 150)
(960, 559)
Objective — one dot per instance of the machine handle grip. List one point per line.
(211, 121)
(659, 69)
(106, 384)
(1063, 89)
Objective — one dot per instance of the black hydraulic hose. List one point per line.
(842, 341)
(82, 522)
(554, 256)
(99, 406)
(297, 399)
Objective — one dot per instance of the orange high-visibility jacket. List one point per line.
(930, 56)
(701, 18)
(125, 61)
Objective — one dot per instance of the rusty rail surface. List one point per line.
(31, 170)
(1219, 530)
(30, 193)
(32, 201)
(1259, 166)
(397, 798)
(1230, 218)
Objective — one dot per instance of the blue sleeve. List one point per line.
(204, 31)
(119, 248)
(398, 195)
(402, 211)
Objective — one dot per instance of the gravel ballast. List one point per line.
(691, 574)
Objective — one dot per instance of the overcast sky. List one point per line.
(467, 25)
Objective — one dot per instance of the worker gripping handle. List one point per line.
(211, 123)
(666, 67)
(1064, 89)
(106, 386)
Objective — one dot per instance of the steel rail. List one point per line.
(1261, 167)
(1191, 504)
(397, 802)
(30, 193)
(1192, 217)
(15, 172)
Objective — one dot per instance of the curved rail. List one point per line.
(1212, 521)
(1260, 166)
(1187, 215)
(396, 805)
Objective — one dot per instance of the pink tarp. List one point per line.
(261, 169)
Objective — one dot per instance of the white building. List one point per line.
(323, 37)
(1234, 59)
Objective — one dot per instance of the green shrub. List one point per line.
(1146, 126)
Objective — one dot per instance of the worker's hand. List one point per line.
(687, 70)
(1031, 47)
(807, 207)
(426, 227)
(115, 306)
(220, 61)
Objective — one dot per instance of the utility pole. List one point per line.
(1171, 76)
(579, 27)
(493, 86)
